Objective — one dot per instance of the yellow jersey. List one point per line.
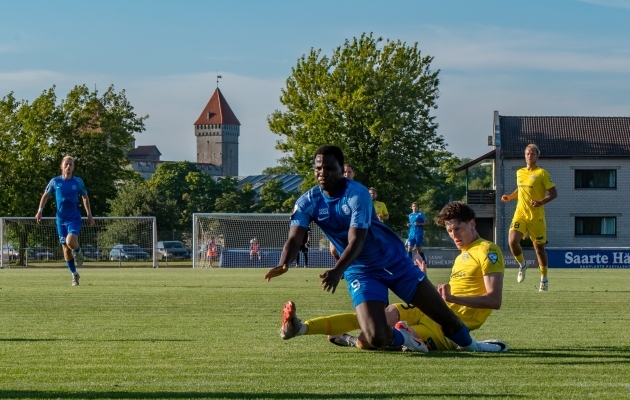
(481, 258)
(532, 185)
(380, 208)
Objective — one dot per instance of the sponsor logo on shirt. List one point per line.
(345, 209)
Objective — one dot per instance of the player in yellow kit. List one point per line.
(379, 207)
(534, 189)
(475, 287)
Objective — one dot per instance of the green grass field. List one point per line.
(213, 334)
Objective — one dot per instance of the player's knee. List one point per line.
(377, 340)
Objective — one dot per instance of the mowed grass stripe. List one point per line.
(213, 333)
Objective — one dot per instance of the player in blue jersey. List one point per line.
(67, 189)
(417, 221)
(373, 260)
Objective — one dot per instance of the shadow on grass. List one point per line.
(92, 340)
(35, 394)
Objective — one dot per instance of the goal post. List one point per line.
(253, 240)
(111, 242)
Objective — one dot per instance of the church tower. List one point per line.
(217, 130)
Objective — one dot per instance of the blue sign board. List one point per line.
(589, 258)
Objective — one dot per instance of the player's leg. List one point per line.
(336, 324)
(62, 232)
(538, 233)
(369, 292)
(518, 229)
(306, 257)
(410, 246)
(72, 240)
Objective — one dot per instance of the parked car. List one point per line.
(171, 250)
(40, 253)
(9, 252)
(91, 253)
(128, 252)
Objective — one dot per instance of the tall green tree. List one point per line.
(234, 200)
(272, 198)
(372, 98)
(34, 137)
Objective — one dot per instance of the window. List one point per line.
(595, 226)
(596, 179)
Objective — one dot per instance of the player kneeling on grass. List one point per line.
(373, 260)
(475, 288)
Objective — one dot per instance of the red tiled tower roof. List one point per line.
(217, 111)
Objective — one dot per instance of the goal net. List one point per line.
(251, 240)
(111, 242)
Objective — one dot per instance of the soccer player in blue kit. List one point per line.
(373, 260)
(417, 221)
(67, 189)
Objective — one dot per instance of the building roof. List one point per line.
(217, 111)
(488, 156)
(566, 136)
(144, 151)
(290, 183)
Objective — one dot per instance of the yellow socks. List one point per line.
(332, 324)
(520, 259)
(543, 272)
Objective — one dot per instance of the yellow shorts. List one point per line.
(537, 229)
(425, 327)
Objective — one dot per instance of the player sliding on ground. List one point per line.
(67, 189)
(535, 188)
(475, 287)
(373, 260)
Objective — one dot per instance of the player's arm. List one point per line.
(552, 193)
(42, 204)
(491, 299)
(509, 197)
(356, 239)
(88, 210)
(289, 252)
(385, 215)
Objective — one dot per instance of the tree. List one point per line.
(373, 100)
(234, 200)
(284, 167)
(272, 198)
(35, 136)
(136, 198)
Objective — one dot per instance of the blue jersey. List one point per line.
(67, 192)
(416, 230)
(351, 209)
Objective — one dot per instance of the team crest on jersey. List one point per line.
(345, 209)
(493, 257)
(465, 257)
(532, 177)
(74, 187)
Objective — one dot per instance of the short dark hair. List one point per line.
(349, 165)
(455, 210)
(374, 189)
(329, 149)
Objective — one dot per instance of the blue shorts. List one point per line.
(367, 284)
(65, 227)
(415, 241)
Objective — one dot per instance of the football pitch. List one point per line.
(213, 334)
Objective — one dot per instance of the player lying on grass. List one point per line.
(373, 260)
(474, 290)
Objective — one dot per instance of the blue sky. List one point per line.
(564, 57)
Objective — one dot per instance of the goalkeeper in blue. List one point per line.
(67, 189)
(373, 260)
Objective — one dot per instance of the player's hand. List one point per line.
(90, 220)
(277, 271)
(535, 203)
(505, 198)
(38, 216)
(330, 279)
(445, 291)
(417, 259)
